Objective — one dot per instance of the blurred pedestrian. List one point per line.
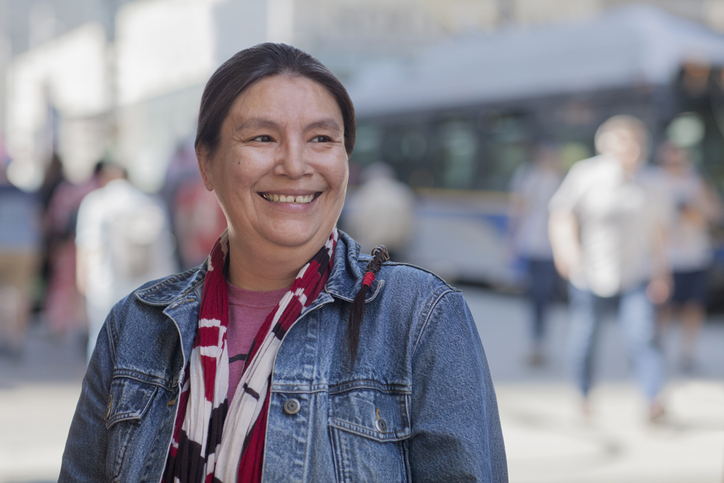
(288, 353)
(607, 231)
(53, 176)
(689, 246)
(181, 166)
(382, 211)
(122, 240)
(20, 241)
(195, 214)
(532, 186)
(198, 221)
(64, 309)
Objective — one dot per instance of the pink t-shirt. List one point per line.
(247, 312)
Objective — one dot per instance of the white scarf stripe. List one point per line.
(210, 351)
(210, 323)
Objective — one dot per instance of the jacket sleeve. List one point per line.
(456, 434)
(84, 458)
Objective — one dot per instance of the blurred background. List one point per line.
(453, 98)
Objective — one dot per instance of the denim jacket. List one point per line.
(419, 404)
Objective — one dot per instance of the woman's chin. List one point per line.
(298, 236)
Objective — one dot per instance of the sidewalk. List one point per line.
(37, 399)
(547, 441)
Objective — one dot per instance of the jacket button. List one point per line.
(381, 425)
(292, 407)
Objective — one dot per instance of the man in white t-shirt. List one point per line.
(123, 240)
(607, 227)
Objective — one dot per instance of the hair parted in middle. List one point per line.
(253, 64)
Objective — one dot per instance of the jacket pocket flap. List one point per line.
(128, 400)
(372, 414)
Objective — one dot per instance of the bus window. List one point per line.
(571, 152)
(413, 144)
(414, 147)
(403, 146)
(368, 144)
(502, 161)
(458, 148)
(506, 148)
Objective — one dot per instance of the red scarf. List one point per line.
(219, 440)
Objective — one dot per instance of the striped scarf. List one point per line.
(214, 440)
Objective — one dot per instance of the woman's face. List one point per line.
(280, 171)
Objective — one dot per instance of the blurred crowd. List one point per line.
(70, 251)
(628, 237)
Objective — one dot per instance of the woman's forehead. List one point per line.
(283, 93)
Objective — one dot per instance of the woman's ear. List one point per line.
(204, 159)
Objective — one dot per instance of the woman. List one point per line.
(380, 377)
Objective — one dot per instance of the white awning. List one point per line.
(625, 47)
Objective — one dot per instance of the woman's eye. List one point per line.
(321, 139)
(262, 139)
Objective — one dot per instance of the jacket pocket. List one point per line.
(369, 429)
(128, 402)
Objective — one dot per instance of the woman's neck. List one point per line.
(262, 269)
(247, 277)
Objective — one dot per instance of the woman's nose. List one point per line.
(292, 161)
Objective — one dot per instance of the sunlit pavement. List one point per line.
(38, 394)
(547, 438)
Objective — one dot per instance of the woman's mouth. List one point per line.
(298, 199)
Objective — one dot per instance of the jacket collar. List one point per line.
(180, 296)
(181, 292)
(344, 281)
(174, 288)
(348, 271)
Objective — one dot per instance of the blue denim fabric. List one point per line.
(419, 404)
(637, 319)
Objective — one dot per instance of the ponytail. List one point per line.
(356, 314)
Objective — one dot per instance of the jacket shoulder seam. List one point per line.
(427, 311)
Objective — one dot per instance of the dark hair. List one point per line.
(356, 312)
(253, 64)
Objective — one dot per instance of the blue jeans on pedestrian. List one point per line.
(541, 280)
(638, 324)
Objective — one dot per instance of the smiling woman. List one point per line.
(287, 355)
(282, 140)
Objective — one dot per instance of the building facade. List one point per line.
(123, 78)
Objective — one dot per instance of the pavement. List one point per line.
(547, 438)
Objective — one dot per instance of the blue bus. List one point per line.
(457, 122)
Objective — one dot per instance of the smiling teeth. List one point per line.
(289, 199)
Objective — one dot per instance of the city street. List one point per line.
(547, 439)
